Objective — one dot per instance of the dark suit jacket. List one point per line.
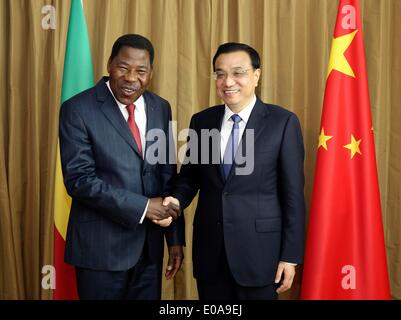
(110, 183)
(259, 217)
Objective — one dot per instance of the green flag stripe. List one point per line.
(78, 70)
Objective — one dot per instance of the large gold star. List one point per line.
(323, 139)
(337, 59)
(354, 146)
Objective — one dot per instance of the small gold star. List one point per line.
(323, 139)
(354, 146)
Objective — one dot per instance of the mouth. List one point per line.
(230, 92)
(128, 91)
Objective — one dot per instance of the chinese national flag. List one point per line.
(345, 252)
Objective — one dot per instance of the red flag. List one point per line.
(345, 254)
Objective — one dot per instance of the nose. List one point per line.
(131, 76)
(229, 80)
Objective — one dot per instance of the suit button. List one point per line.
(226, 194)
(219, 223)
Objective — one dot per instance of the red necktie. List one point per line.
(134, 128)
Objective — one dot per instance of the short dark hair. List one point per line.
(234, 47)
(134, 41)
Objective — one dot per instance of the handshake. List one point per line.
(163, 211)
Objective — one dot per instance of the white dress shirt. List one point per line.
(227, 124)
(140, 116)
(140, 120)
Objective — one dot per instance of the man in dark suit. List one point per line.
(115, 190)
(248, 229)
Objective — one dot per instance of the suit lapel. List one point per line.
(151, 116)
(211, 122)
(218, 122)
(111, 111)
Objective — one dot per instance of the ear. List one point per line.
(109, 65)
(151, 73)
(256, 75)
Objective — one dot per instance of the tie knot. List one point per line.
(236, 118)
(131, 108)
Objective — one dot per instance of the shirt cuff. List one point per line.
(290, 263)
(144, 212)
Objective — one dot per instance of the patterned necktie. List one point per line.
(134, 128)
(232, 145)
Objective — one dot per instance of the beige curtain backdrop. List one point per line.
(293, 38)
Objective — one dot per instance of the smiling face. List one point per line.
(238, 80)
(130, 73)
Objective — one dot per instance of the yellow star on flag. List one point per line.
(354, 146)
(337, 59)
(323, 139)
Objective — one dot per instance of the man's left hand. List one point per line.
(176, 255)
(289, 272)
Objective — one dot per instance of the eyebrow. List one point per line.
(122, 62)
(239, 67)
(236, 67)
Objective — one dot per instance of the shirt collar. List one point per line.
(244, 113)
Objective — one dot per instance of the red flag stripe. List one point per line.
(66, 283)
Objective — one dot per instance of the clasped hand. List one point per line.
(163, 211)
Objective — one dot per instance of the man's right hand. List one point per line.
(168, 201)
(157, 211)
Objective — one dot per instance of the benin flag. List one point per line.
(78, 76)
(345, 252)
